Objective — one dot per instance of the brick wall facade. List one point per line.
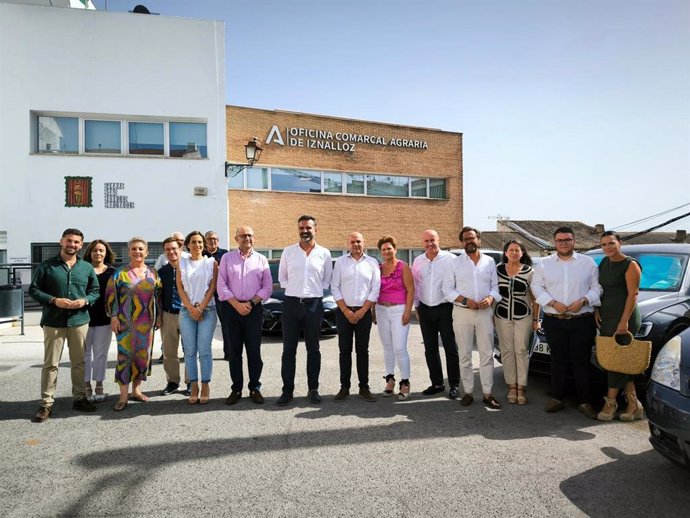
(273, 215)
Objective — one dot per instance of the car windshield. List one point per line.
(660, 272)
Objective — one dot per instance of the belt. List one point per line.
(303, 300)
(173, 312)
(567, 316)
(390, 304)
(354, 308)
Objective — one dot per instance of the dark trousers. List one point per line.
(432, 321)
(571, 344)
(305, 315)
(243, 332)
(359, 333)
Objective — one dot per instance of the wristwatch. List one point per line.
(252, 303)
(463, 301)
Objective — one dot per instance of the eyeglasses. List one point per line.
(564, 241)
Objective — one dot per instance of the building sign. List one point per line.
(114, 200)
(78, 191)
(336, 141)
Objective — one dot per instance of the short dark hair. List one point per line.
(73, 232)
(387, 239)
(611, 233)
(525, 259)
(170, 239)
(469, 229)
(109, 254)
(306, 217)
(564, 230)
(191, 235)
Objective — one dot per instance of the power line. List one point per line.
(626, 225)
(637, 234)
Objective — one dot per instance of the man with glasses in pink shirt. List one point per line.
(244, 282)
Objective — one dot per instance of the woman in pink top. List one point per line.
(392, 314)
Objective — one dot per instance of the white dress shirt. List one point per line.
(356, 281)
(474, 281)
(428, 278)
(302, 275)
(566, 281)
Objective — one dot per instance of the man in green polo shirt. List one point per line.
(65, 285)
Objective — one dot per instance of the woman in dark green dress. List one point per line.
(619, 276)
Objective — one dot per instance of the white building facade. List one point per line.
(113, 123)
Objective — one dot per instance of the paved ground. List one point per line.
(424, 457)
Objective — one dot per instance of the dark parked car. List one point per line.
(664, 300)
(668, 400)
(273, 307)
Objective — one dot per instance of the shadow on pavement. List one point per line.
(621, 487)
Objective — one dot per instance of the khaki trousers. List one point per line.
(54, 342)
(170, 335)
(513, 337)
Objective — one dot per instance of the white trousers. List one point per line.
(513, 337)
(468, 324)
(393, 336)
(96, 352)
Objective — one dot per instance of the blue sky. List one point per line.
(570, 109)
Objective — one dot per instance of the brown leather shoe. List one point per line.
(256, 396)
(491, 402)
(42, 415)
(234, 397)
(366, 394)
(466, 399)
(341, 395)
(554, 405)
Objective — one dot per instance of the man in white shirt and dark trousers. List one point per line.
(435, 314)
(566, 286)
(472, 286)
(355, 286)
(305, 272)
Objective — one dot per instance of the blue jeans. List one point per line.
(197, 337)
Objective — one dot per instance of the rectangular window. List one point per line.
(295, 180)
(188, 140)
(418, 187)
(58, 135)
(257, 177)
(437, 189)
(102, 137)
(378, 185)
(235, 177)
(333, 182)
(146, 138)
(355, 183)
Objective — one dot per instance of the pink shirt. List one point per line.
(392, 287)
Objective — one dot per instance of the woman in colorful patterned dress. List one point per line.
(133, 303)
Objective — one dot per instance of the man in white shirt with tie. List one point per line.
(305, 272)
(472, 286)
(355, 286)
(566, 286)
(435, 314)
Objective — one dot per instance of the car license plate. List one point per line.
(542, 348)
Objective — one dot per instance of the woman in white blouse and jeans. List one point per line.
(196, 283)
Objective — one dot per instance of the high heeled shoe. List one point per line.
(638, 413)
(390, 385)
(521, 397)
(194, 396)
(404, 390)
(205, 393)
(609, 411)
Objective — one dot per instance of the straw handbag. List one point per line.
(629, 359)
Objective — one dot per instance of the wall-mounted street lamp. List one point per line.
(252, 152)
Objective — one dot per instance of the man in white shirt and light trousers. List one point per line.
(472, 286)
(566, 286)
(305, 272)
